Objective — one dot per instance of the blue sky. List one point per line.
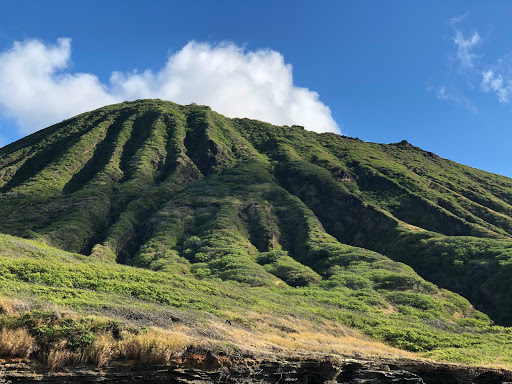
(438, 74)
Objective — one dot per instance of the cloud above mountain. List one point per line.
(38, 87)
(465, 46)
(474, 71)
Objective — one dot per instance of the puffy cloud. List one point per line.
(37, 88)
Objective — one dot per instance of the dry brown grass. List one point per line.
(12, 307)
(299, 336)
(154, 347)
(60, 356)
(103, 350)
(16, 343)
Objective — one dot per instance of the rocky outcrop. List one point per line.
(208, 368)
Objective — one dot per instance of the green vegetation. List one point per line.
(154, 207)
(401, 310)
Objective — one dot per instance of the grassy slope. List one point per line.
(325, 319)
(236, 216)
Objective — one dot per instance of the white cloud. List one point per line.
(457, 19)
(37, 87)
(465, 46)
(497, 79)
(492, 82)
(493, 77)
(36, 91)
(467, 66)
(452, 94)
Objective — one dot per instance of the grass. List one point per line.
(16, 343)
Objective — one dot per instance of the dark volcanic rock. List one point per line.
(210, 369)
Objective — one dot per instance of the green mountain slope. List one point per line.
(186, 192)
(383, 300)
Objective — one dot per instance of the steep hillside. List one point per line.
(240, 215)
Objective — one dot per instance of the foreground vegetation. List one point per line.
(154, 214)
(70, 309)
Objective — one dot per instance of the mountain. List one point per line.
(387, 239)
